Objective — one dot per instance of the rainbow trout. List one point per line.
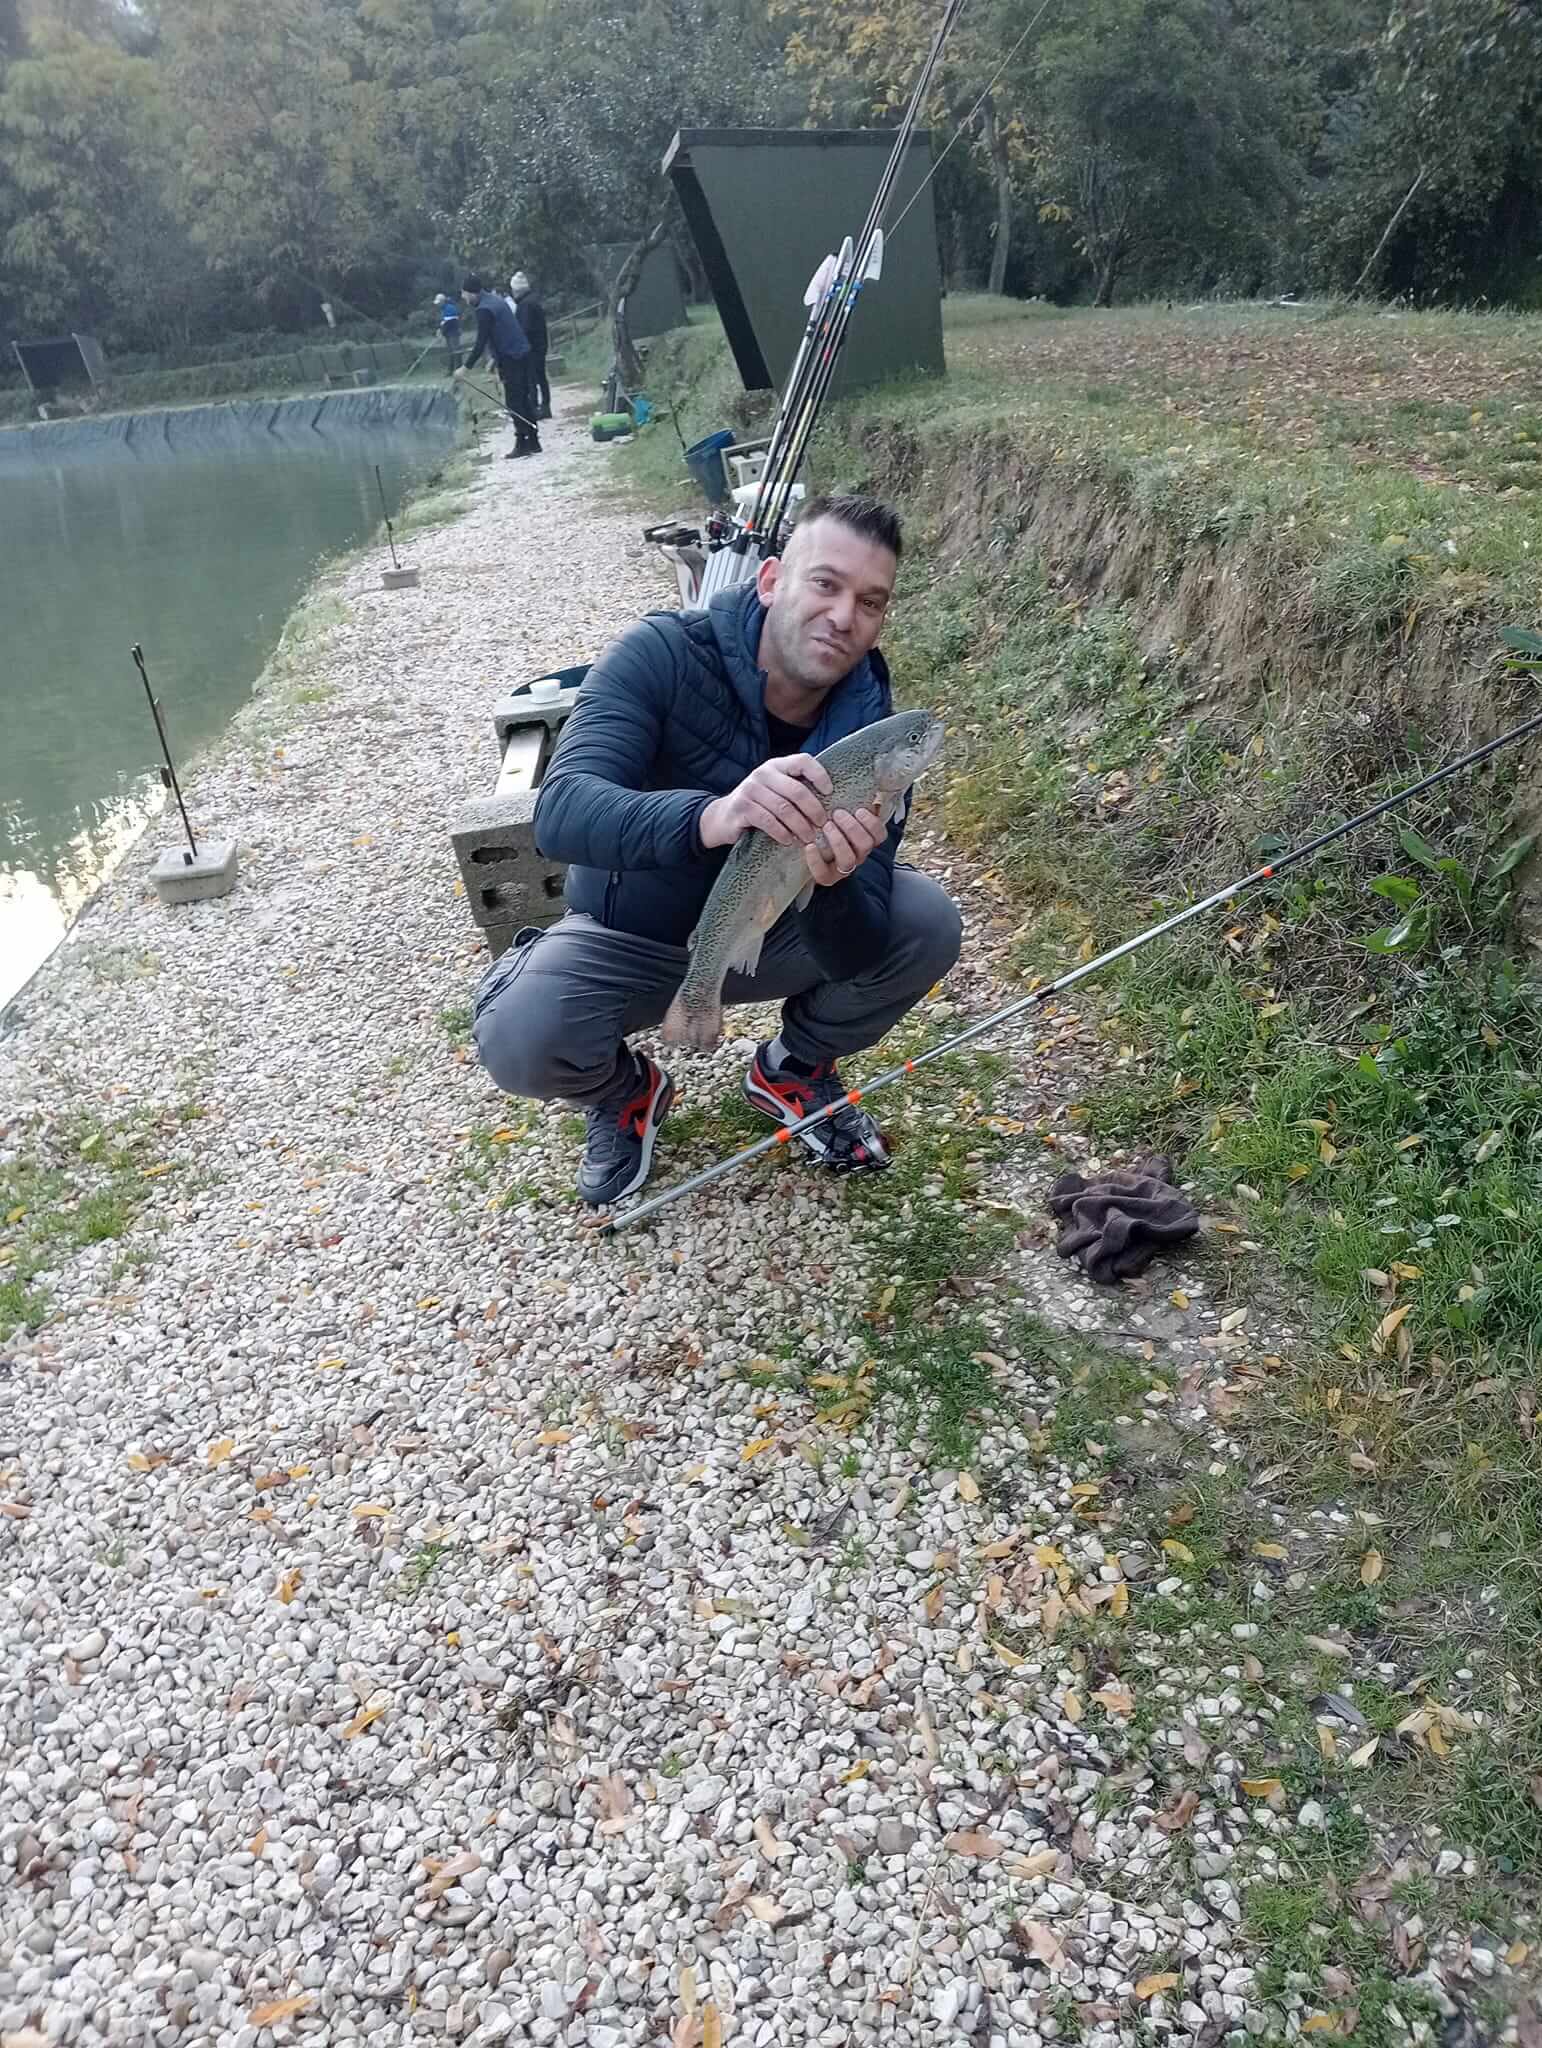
(760, 879)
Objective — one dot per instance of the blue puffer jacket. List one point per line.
(671, 716)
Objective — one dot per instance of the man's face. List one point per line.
(825, 600)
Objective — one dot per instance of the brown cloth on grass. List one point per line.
(1118, 1223)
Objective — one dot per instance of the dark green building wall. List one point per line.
(766, 206)
(657, 304)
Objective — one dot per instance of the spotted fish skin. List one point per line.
(760, 880)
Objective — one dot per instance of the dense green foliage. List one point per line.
(189, 169)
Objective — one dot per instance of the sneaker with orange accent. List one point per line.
(618, 1149)
(848, 1141)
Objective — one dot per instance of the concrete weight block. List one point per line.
(506, 880)
(179, 879)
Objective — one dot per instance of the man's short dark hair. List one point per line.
(870, 517)
(471, 282)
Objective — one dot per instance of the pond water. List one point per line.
(199, 552)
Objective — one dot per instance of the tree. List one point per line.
(283, 180)
(1159, 140)
(1431, 172)
(578, 158)
(82, 128)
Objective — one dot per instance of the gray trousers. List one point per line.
(550, 1017)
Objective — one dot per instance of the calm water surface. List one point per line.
(200, 556)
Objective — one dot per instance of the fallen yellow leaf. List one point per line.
(754, 1450)
(1260, 1788)
(218, 1453)
(555, 1436)
(1115, 1701)
(1370, 1567)
(365, 1718)
(1275, 1550)
(1180, 1551)
(858, 1770)
(1071, 1705)
(1178, 1298)
(280, 2009)
(1008, 1657)
(711, 2026)
(1321, 2023)
(968, 1487)
(371, 1511)
(1149, 1987)
(288, 1586)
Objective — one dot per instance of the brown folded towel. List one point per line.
(1118, 1223)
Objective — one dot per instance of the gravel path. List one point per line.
(423, 1620)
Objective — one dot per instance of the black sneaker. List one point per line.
(847, 1142)
(618, 1151)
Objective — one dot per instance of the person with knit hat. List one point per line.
(532, 318)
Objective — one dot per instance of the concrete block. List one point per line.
(178, 879)
(506, 880)
(399, 579)
(498, 937)
(520, 708)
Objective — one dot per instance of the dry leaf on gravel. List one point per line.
(1040, 1941)
(1326, 1646)
(1261, 1788)
(217, 1453)
(1150, 1987)
(770, 1847)
(1039, 1864)
(280, 2009)
(711, 2026)
(1178, 1551)
(983, 1848)
(1370, 1567)
(968, 1487)
(1071, 1704)
(614, 1796)
(1179, 1814)
(288, 1586)
(365, 1718)
(1115, 1701)
(766, 1909)
(447, 1874)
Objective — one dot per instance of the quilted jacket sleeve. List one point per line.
(595, 808)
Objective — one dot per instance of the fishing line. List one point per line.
(1214, 901)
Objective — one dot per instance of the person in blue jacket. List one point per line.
(690, 729)
(449, 328)
(500, 336)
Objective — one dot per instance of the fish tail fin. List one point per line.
(698, 1024)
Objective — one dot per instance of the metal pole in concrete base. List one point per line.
(399, 579)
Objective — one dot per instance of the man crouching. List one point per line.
(691, 729)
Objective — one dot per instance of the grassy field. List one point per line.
(1349, 1063)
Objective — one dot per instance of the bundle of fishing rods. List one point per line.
(832, 296)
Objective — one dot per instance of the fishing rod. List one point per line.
(773, 503)
(169, 772)
(501, 403)
(1218, 897)
(825, 333)
(995, 79)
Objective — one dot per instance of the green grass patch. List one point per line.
(73, 1184)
